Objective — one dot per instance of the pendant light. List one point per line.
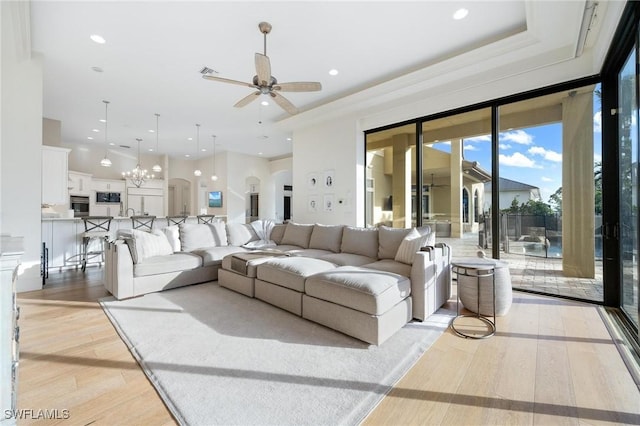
(197, 171)
(138, 176)
(214, 177)
(156, 168)
(105, 162)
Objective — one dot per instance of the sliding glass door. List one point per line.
(628, 175)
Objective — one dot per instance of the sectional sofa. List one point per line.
(365, 282)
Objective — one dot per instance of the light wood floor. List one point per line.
(551, 362)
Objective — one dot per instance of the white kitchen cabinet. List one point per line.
(55, 164)
(107, 185)
(111, 209)
(152, 205)
(63, 239)
(79, 183)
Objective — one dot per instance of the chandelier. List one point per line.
(138, 176)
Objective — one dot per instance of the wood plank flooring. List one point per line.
(551, 362)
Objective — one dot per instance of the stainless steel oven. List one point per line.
(80, 206)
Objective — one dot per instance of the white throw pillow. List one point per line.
(410, 245)
(149, 244)
(173, 236)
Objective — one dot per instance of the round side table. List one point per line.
(478, 269)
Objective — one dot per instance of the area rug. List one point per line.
(218, 357)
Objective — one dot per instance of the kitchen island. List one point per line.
(62, 237)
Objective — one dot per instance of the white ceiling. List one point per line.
(155, 50)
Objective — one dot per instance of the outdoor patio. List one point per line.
(534, 272)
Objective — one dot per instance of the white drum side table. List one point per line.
(477, 268)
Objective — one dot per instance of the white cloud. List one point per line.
(517, 136)
(597, 122)
(469, 147)
(547, 154)
(597, 158)
(504, 146)
(484, 138)
(546, 179)
(517, 159)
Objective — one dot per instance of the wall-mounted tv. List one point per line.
(215, 199)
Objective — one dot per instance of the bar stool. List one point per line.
(144, 223)
(205, 218)
(95, 227)
(176, 220)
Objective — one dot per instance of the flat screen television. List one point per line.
(215, 199)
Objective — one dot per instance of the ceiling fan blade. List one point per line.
(263, 69)
(247, 99)
(284, 103)
(298, 86)
(226, 80)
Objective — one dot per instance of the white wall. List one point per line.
(240, 168)
(21, 139)
(338, 147)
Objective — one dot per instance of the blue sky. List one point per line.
(531, 155)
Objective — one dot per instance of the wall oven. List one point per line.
(80, 206)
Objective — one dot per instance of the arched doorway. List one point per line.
(179, 197)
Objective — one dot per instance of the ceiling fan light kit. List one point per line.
(264, 82)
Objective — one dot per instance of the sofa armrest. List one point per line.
(430, 279)
(119, 264)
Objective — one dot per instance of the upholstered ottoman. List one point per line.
(367, 304)
(281, 281)
(239, 270)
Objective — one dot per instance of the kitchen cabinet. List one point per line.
(107, 185)
(148, 199)
(111, 209)
(79, 183)
(63, 238)
(55, 164)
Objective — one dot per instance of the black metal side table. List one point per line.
(476, 268)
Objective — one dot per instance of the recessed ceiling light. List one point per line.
(187, 155)
(259, 153)
(289, 139)
(460, 14)
(189, 139)
(151, 131)
(204, 150)
(150, 149)
(97, 69)
(102, 120)
(112, 144)
(333, 71)
(264, 103)
(98, 39)
(90, 138)
(95, 130)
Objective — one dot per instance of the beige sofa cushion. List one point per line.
(326, 237)
(175, 262)
(277, 233)
(389, 240)
(365, 290)
(362, 241)
(297, 234)
(202, 235)
(291, 272)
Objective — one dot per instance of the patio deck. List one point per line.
(533, 272)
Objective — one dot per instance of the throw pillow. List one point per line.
(410, 245)
(240, 233)
(149, 244)
(173, 236)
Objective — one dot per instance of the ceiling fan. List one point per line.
(264, 82)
